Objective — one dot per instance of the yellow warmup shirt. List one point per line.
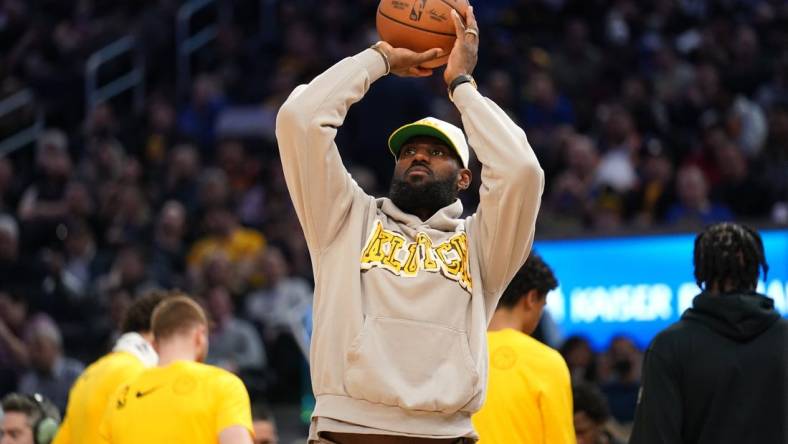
(90, 393)
(529, 393)
(184, 402)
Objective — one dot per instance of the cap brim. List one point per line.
(404, 133)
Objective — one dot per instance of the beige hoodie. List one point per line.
(401, 305)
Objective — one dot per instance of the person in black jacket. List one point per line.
(719, 374)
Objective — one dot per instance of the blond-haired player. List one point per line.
(181, 400)
(132, 354)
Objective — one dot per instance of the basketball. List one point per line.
(419, 25)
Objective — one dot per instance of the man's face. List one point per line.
(44, 353)
(427, 175)
(264, 432)
(586, 430)
(15, 429)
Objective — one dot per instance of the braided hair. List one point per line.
(729, 255)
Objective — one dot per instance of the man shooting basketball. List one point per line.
(405, 288)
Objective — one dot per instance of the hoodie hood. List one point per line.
(738, 316)
(446, 219)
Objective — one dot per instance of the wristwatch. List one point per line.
(459, 80)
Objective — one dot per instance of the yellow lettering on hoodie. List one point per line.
(373, 252)
(390, 261)
(428, 262)
(386, 249)
(411, 267)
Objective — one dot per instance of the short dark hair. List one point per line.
(261, 412)
(589, 399)
(138, 316)
(535, 274)
(176, 315)
(28, 406)
(730, 255)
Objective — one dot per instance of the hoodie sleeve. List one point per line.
(510, 194)
(659, 409)
(306, 125)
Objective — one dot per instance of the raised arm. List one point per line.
(306, 126)
(512, 180)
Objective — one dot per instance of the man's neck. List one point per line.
(424, 214)
(175, 350)
(504, 318)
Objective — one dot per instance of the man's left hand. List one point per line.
(465, 52)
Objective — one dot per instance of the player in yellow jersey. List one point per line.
(132, 354)
(181, 400)
(529, 393)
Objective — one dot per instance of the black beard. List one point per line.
(428, 196)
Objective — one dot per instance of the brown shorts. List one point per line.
(353, 438)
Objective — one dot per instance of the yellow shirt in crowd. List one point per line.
(241, 245)
(184, 402)
(90, 393)
(529, 393)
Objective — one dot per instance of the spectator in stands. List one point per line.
(621, 147)
(43, 203)
(231, 157)
(234, 343)
(224, 235)
(13, 268)
(161, 133)
(14, 352)
(197, 118)
(648, 202)
(264, 425)
(168, 264)
(694, 206)
(747, 196)
(181, 177)
(52, 373)
(718, 374)
(279, 307)
(130, 271)
(80, 259)
(620, 377)
(577, 65)
(775, 161)
(591, 416)
(546, 108)
(28, 419)
(214, 189)
(775, 91)
(572, 190)
(580, 359)
(281, 298)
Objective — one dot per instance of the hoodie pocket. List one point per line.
(410, 364)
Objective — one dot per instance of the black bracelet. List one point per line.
(459, 80)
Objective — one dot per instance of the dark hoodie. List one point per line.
(718, 376)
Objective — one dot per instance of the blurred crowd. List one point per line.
(644, 115)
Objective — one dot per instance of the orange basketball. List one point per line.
(419, 25)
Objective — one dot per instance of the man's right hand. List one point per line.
(406, 63)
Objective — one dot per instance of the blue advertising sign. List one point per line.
(637, 285)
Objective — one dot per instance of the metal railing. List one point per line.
(23, 136)
(189, 41)
(134, 79)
